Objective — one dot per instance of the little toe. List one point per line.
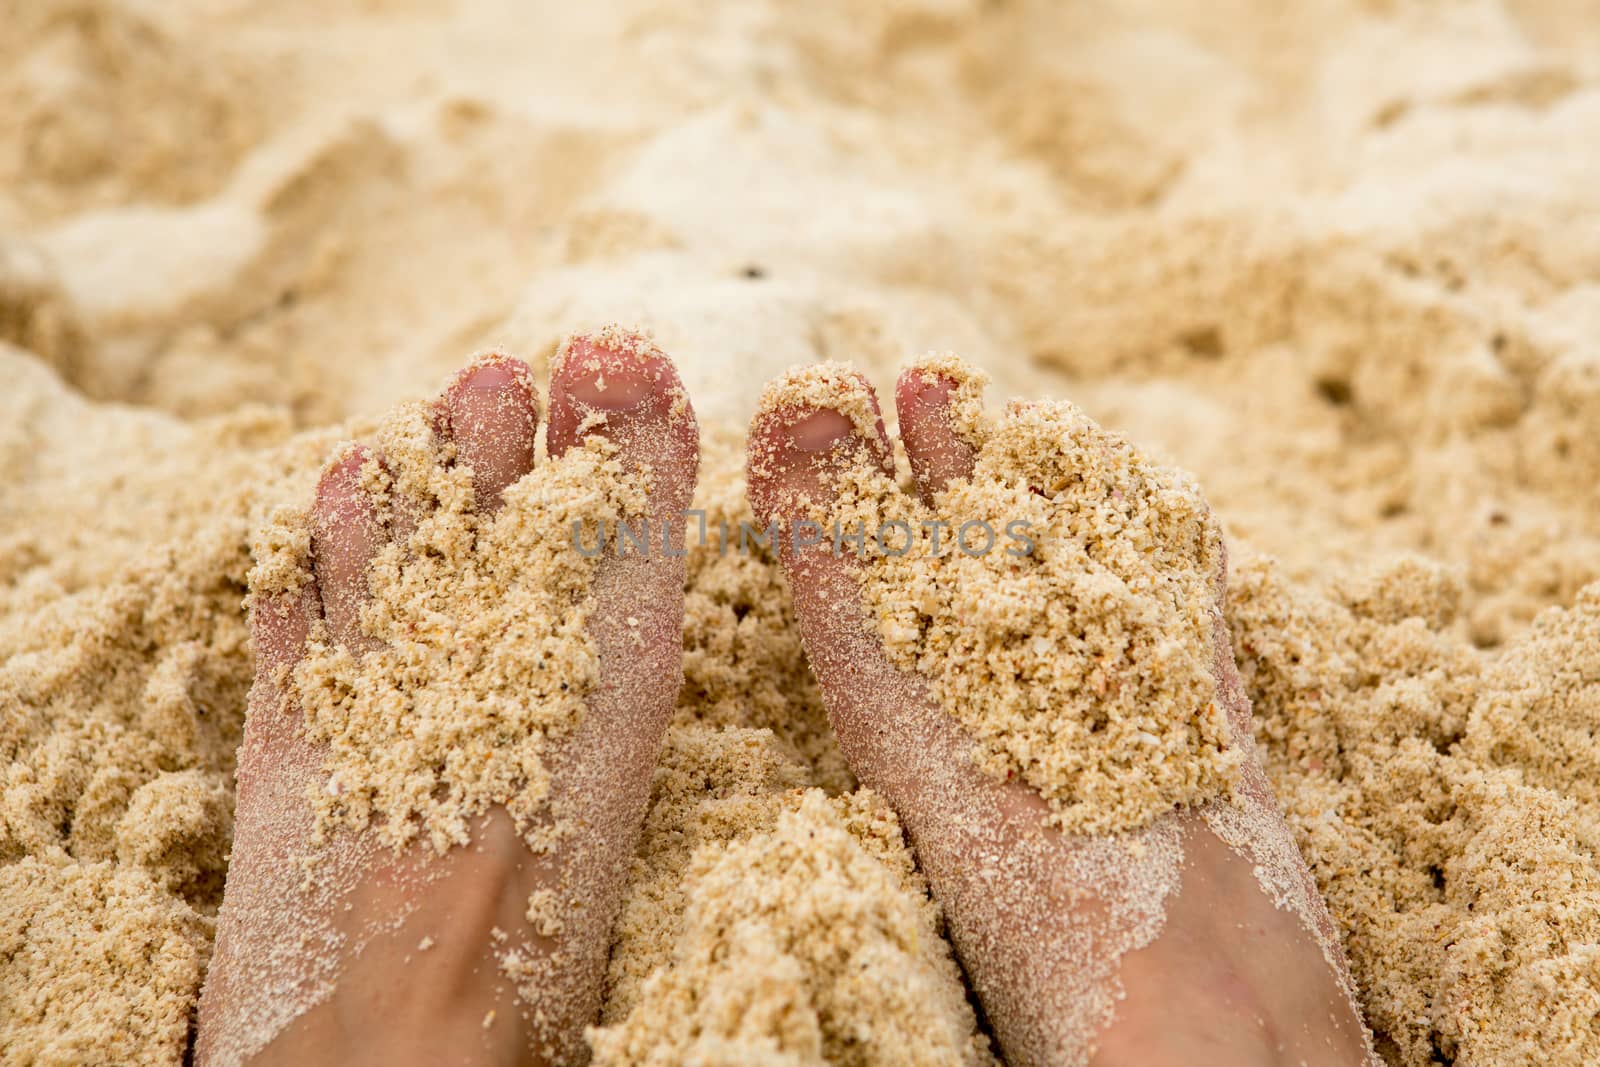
(345, 535)
(491, 412)
(932, 407)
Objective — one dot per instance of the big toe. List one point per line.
(813, 426)
(617, 384)
(817, 433)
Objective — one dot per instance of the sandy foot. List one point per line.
(354, 951)
(1195, 939)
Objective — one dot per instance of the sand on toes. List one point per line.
(1021, 646)
(459, 696)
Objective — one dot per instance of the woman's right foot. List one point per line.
(1193, 936)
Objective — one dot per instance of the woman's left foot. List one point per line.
(454, 722)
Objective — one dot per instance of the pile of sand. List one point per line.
(1330, 260)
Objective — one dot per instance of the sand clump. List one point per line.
(830, 954)
(102, 963)
(1326, 261)
(1449, 785)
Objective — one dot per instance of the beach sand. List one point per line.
(1339, 262)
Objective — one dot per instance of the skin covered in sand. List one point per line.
(1192, 933)
(386, 904)
(1324, 257)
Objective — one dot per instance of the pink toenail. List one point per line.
(346, 465)
(931, 387)
(819, 431)
(611, 388)
(490, 376)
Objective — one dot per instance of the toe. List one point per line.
(619, 385)
(932, 406)
(345, 535)
(815, 428)
(812, 426)
(279, 626)
(491, 412)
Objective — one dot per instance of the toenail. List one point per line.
(930, 386)
(819, 431)
(611, 388)
(490, 376)
(345, 466)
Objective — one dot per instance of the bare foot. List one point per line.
(1199, 939)
(410, 955)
